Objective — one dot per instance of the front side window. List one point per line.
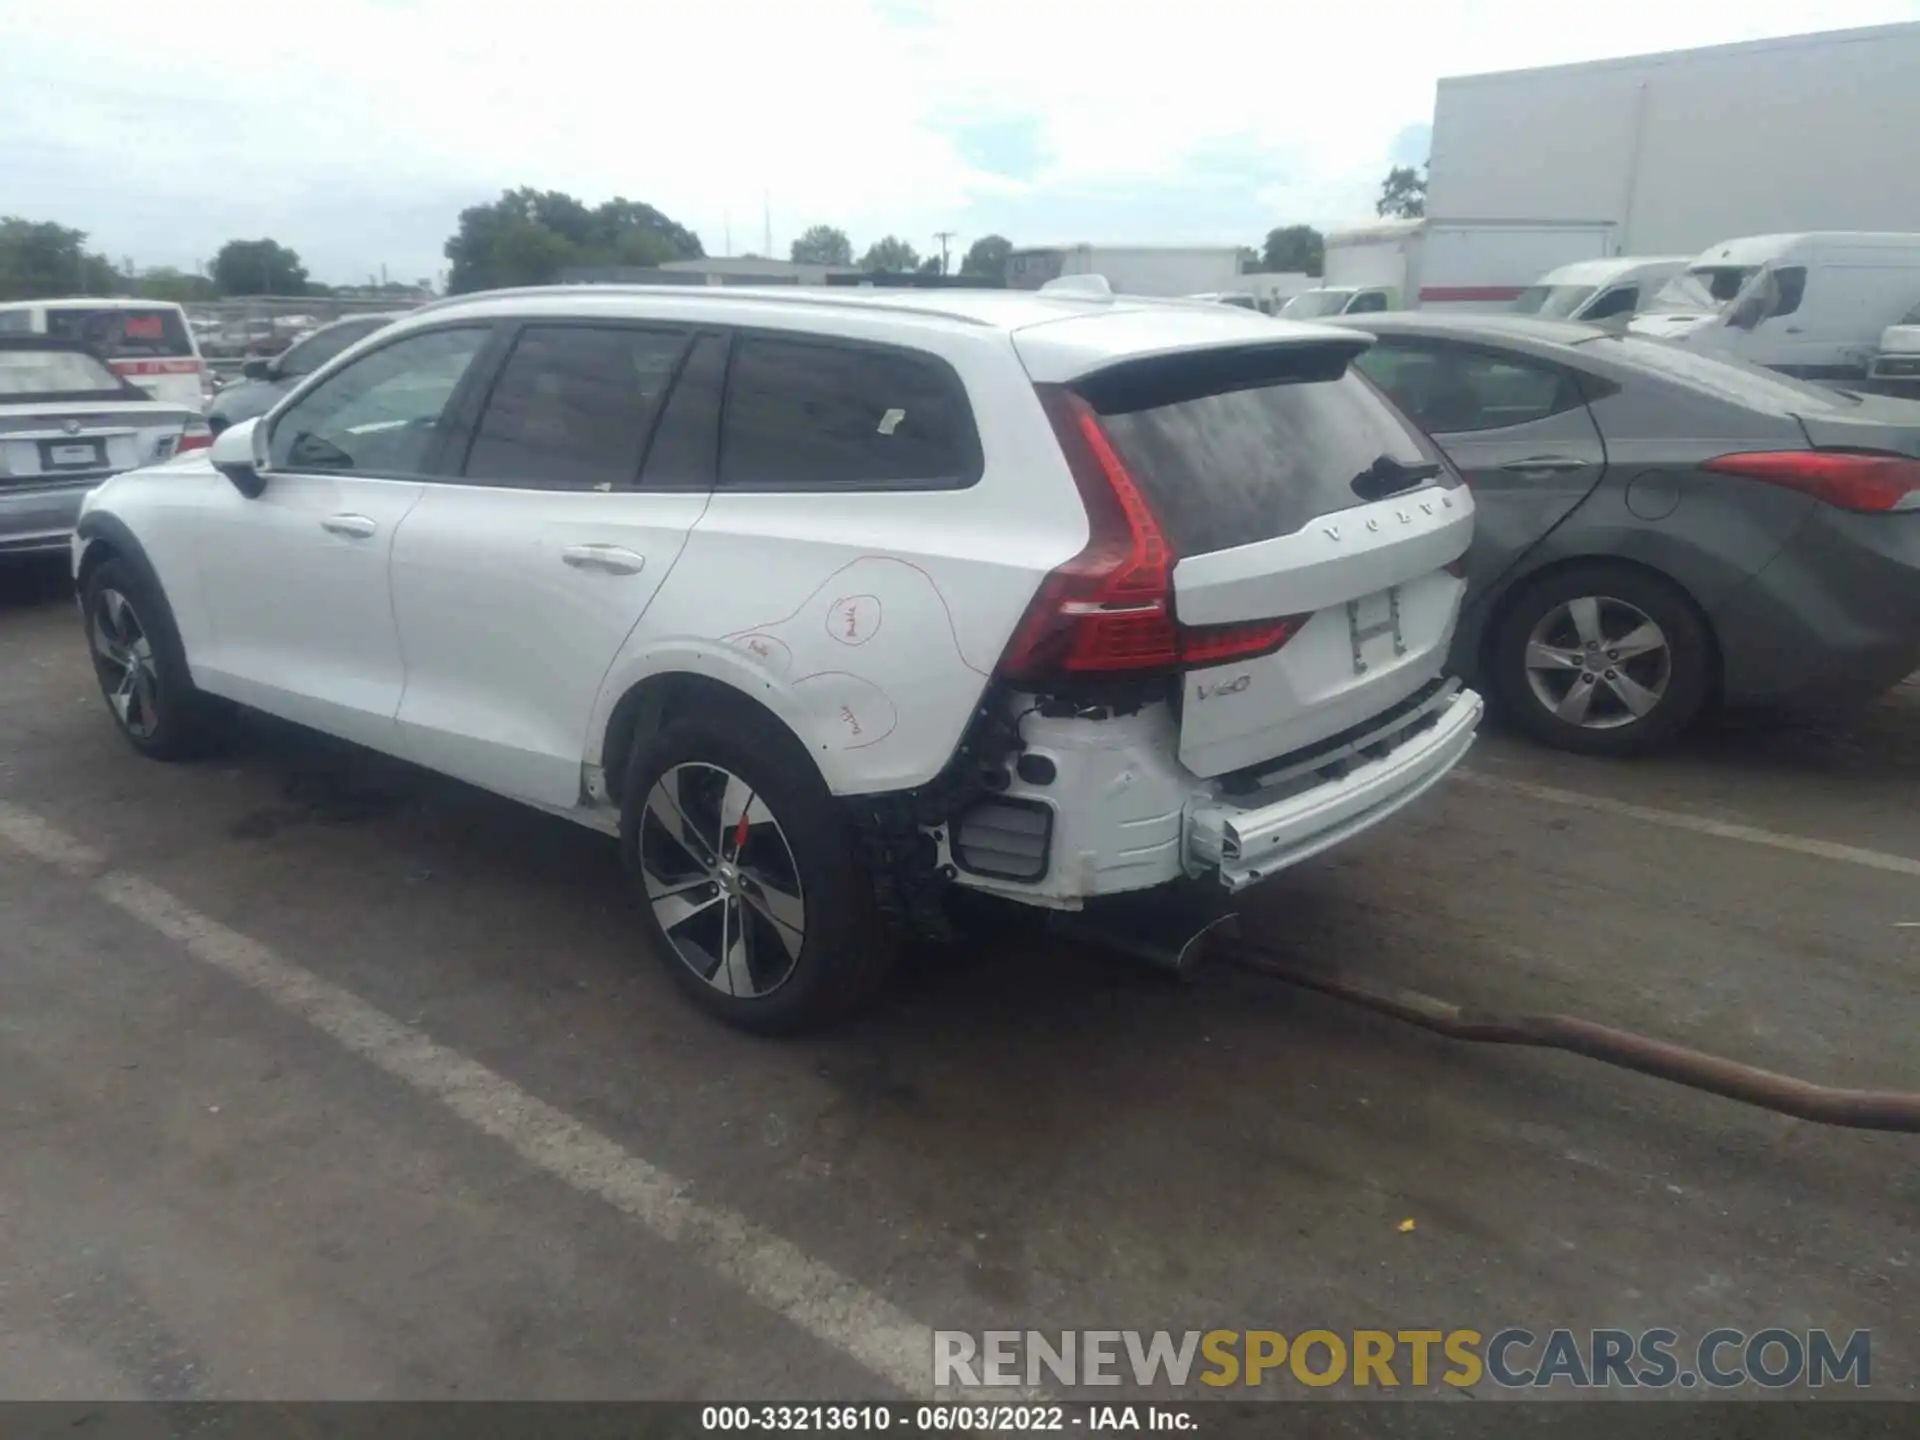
(573, 406)
(1616, 302)
(1368, 302)
(382, 414)
(1448, 391)
(1312, 304)
(811, 415)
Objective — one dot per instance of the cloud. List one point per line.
(356, 131)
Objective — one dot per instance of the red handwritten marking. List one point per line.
(861, 679)
(953, 631)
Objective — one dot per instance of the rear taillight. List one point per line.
(195, 435)
(1110, 608)
(1850, 479)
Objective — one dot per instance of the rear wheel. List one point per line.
(141, 666)
(1602, 659)
(751, 889)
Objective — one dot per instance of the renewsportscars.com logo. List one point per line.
(1513, 1358)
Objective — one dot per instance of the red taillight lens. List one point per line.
(1110, 608)
(195, 436)
(1850, 479)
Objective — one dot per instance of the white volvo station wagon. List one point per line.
(826, 602)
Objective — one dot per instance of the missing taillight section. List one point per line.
(1110, 609)
(195, 435)
(1849, 479)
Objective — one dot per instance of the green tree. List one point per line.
(891, 254)
(528, 236)
(1296, 249)
(932, 265)
(986, 258)
(40, 260)
(165, 282)
(258, 267)
(822, 245)
(1403, 193)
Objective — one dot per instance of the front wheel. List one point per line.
(1602, 659)
(141, 667)
(752, 891)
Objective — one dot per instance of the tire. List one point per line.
(142, 666)
(682, 828)
(1633, 702)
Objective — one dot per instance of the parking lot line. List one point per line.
(1697, 824)
(817, 1298)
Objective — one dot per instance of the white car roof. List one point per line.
(91, 302)
(1060, 336)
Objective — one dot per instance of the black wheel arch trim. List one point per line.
(116, 534)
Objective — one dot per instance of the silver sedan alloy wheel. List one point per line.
(123, 656)
(1598, 662)
(721, 879)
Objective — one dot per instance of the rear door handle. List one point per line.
(351, 527)
(1546, 465)
(610, 559)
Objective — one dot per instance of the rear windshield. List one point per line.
(1237, 464)
(29, 374)
(1724, 378)
(124, 333)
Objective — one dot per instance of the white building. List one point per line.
(1680, 150)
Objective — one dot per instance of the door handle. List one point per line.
(610, 559)
(1546, 465)
(351, 527)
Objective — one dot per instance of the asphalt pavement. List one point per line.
(324, 1078)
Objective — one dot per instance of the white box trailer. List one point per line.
(1683, 150)
(1130, 269)
(1463, 264)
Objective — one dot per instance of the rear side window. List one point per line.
(1450, 391)
(124, 333)
(807, 415)
(1227, 464)
(573, 406)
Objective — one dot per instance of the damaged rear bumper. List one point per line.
(1306, 807)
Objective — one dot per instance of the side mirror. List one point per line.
(257, 369)
(237, 455)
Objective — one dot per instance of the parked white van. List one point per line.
(1810, 305)
(1896, 369)
(149, 342)
(1599, 290)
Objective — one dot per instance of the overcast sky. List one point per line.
(356, 130)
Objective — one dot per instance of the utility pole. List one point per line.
(943, 236)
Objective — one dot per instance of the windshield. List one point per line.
(1552, 302)
(1311, 303)
(321, 346)
(123, 332)
(27, 374)
(1703, 290)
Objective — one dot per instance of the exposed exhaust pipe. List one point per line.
(1783, 1094)
(1172, 934)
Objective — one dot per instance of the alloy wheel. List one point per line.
(1598, 662)
(721, 879)
(123, 658)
